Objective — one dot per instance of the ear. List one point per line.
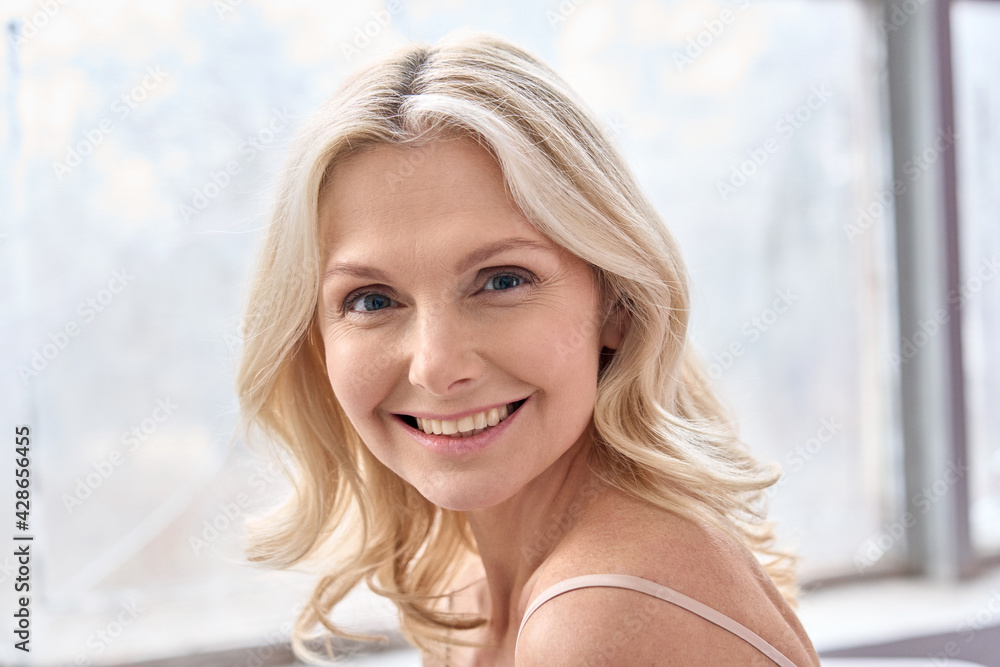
(616, 326)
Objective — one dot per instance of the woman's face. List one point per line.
(430, 323)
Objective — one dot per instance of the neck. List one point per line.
(516, 536)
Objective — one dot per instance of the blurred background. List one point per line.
(831, 169)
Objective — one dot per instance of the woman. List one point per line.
(468, 331)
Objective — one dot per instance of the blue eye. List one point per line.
(506, 280)
(373, 299)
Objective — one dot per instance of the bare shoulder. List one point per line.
(607, 626)
(613, 626)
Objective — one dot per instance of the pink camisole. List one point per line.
(662, 592)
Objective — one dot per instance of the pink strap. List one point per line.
(664, 593)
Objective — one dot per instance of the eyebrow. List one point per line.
(478, 255)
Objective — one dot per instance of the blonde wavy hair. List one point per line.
(660, 432)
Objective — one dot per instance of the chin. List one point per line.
(463, 497)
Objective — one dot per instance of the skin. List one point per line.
(527, 322)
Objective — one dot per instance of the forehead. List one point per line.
(445, 189)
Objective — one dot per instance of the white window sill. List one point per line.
(880, 611)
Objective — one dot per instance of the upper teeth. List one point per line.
(470, 424)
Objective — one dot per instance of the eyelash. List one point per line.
(525, 277)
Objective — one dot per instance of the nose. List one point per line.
(444, 357)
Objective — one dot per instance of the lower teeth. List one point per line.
(468, 433)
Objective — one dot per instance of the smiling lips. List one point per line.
(468, 425)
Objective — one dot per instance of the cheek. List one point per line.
(558, 352)
(357, 374)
